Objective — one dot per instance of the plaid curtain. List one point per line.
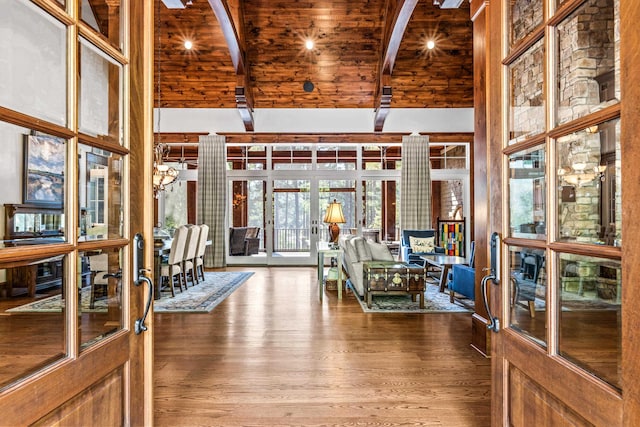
(415, 184)
(212, 196)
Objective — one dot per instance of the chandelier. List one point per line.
(163, 175)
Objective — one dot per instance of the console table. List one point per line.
(324, 249)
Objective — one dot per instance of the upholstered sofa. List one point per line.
(409, 252)
(357, 251)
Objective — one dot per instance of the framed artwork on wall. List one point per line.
(44, 161)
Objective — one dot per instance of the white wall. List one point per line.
(315, 120)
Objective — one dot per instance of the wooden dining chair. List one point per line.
(202, 245)
(99, 267)
(173, 267)
(190, 251)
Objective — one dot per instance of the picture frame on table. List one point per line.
(44, 165)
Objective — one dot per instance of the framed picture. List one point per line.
(44, 159)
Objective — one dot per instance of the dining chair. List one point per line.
(202, 245)
(190, 251)
(173, 267)
(99, 267)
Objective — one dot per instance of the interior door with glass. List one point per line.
(68, 301)
(558, 351)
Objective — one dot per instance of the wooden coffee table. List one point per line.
(444, 262)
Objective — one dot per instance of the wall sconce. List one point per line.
(600, 170)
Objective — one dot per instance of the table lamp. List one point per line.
(333, 217)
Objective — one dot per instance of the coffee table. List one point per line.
(444, 262)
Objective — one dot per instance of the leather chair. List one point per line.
(244, 241)
(405, 246)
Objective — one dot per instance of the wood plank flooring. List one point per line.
(272, 355)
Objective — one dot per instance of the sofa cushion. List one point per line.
(380, 252)
(350, 252)
(362, 248)
(422, 244)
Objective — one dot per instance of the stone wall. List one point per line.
(586, 60)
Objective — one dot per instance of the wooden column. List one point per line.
(480, 217)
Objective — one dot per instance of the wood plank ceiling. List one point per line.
(351, 38)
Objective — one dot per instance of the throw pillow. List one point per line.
(364, 253)
(422, 244)
(380, 252)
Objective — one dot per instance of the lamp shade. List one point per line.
(333, 217)
(334, 213)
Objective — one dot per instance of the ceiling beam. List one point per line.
(235, 43)
(398, 13)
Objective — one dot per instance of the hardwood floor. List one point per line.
(272, 355)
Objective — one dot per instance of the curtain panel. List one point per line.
(415, 184)
(212, 196)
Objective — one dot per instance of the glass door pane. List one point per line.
(344, 192)
(247, 237)
(291, 220)
(381, 209)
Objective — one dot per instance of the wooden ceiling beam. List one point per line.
(237, 50)
(398, 13)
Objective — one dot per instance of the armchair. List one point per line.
(462, 278)
(244, 241)
(408, 254)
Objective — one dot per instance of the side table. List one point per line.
(324, 249)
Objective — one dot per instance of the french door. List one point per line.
(562, 195)
(288, 211)
(75, 110)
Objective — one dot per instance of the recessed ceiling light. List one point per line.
(431, 44)
(309, 44)
(188, 44)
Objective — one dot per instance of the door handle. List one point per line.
(139, 277)
(139, 326)
(494, 276)
(494, 322)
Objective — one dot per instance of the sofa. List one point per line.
(416, 243)
(357, 251)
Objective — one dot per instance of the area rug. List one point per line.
(434, 302)
(201, 298)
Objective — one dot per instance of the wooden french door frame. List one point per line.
(110, 381)
(555, 383)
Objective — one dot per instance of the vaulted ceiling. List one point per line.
(365, 49)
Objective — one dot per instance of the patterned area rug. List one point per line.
(434, 302)
(201, 298)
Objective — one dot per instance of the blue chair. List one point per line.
(462, 278)
(408, 255)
